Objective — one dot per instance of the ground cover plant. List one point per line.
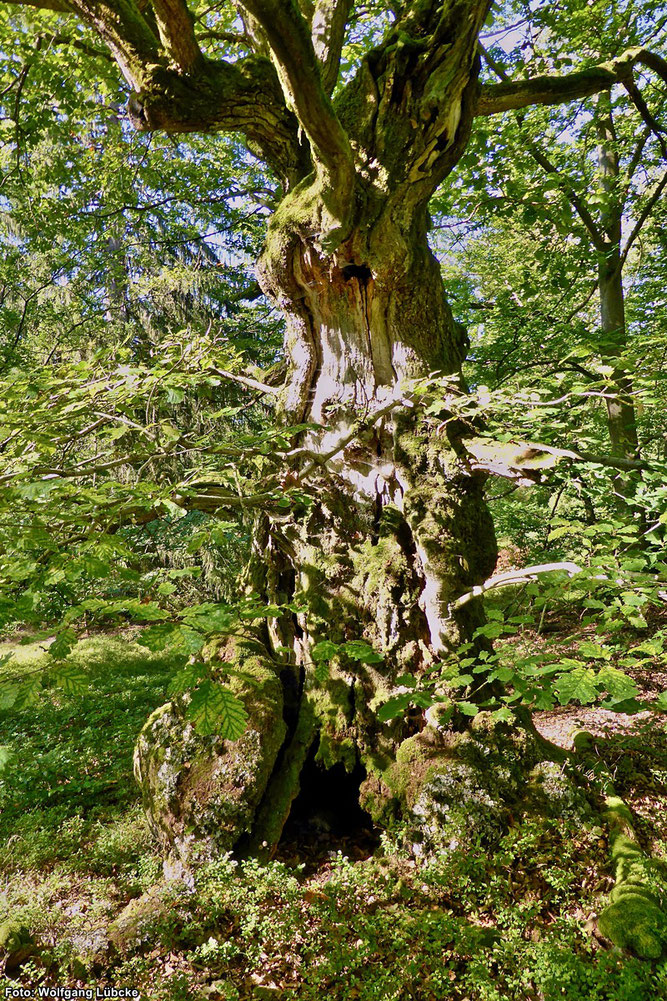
(381, 922)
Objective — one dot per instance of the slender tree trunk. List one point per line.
(621, 414)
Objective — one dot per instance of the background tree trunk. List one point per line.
(621, 414)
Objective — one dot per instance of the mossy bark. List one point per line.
(397, 527)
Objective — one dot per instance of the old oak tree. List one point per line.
(371, 566)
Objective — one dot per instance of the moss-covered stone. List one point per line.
(456, 785)
(152, 916)
(200, 793)
(554, 790)
(17, 943)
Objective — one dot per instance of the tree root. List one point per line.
(636, 916)
(283, 787)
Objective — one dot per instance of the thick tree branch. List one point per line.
(176, 90)
(243, 97)
(176, 28)
(127, 33)
(292, 50)
(328, 33)
(512, 95)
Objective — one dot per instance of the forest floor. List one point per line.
(352, 914)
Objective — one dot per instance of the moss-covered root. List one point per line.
(283, 787)
(636, 916)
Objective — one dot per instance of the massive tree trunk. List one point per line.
(393, 526)
(392, 529)
(398, 528)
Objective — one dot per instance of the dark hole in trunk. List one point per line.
(326, 817)
(359, 271)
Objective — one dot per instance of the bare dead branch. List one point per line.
(513, 577)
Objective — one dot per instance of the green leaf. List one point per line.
(172, 635)
(560, 532)
(188, 640)
(361, 651)
(186, 679)
(502, 715)
(395, 706)
(467, 708)
(460, 680)
(408, 680)
(6, 755)
(617, 684)
(28, 692)
(63, 644)
(492, 630)
(576, 685)
(634, 599)
(211, 618)
(197, 542)
(159, 636)
(324, 650)
(37, 489)
(94, 566)
(503, 674)
(8, 693)
(174, 395)
(72, 679)
(594, 650)
(216, 710)
(636, 619)
(322, 671)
